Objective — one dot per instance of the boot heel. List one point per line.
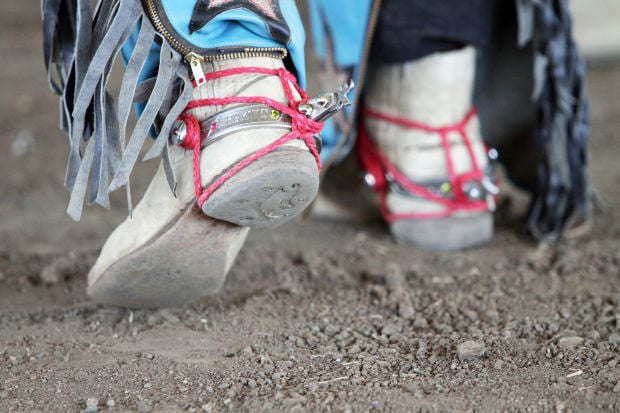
(268, 192)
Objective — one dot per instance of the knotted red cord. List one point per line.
(377, 165)
(302, 127)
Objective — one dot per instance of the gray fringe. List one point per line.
(563, 197)
(81, 46)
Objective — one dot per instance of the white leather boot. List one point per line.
(169, 252)
(271, 189)
(424, 153)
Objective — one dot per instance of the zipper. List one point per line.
(195, 60)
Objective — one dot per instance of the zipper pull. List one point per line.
(195, 64)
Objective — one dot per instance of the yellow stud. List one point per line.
(446, 187)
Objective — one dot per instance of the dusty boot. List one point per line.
(258, 172)
(420, 143)
(253, 169)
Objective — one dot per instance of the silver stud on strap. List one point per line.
(178, 132)
(370, 179)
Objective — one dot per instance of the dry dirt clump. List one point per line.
(320, 317)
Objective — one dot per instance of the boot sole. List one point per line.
(269, 192)
(445, 234)
(186, 261)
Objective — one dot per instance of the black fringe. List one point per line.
(563, 196)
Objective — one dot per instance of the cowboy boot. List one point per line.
(172, 251)
(421, 146)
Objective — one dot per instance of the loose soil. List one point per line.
(326, 316)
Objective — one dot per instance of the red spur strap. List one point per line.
(302, 127)
(380, 167)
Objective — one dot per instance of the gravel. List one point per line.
(566, 343)
(91, 405)
(471, 350)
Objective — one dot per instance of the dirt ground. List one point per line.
(318, 317)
